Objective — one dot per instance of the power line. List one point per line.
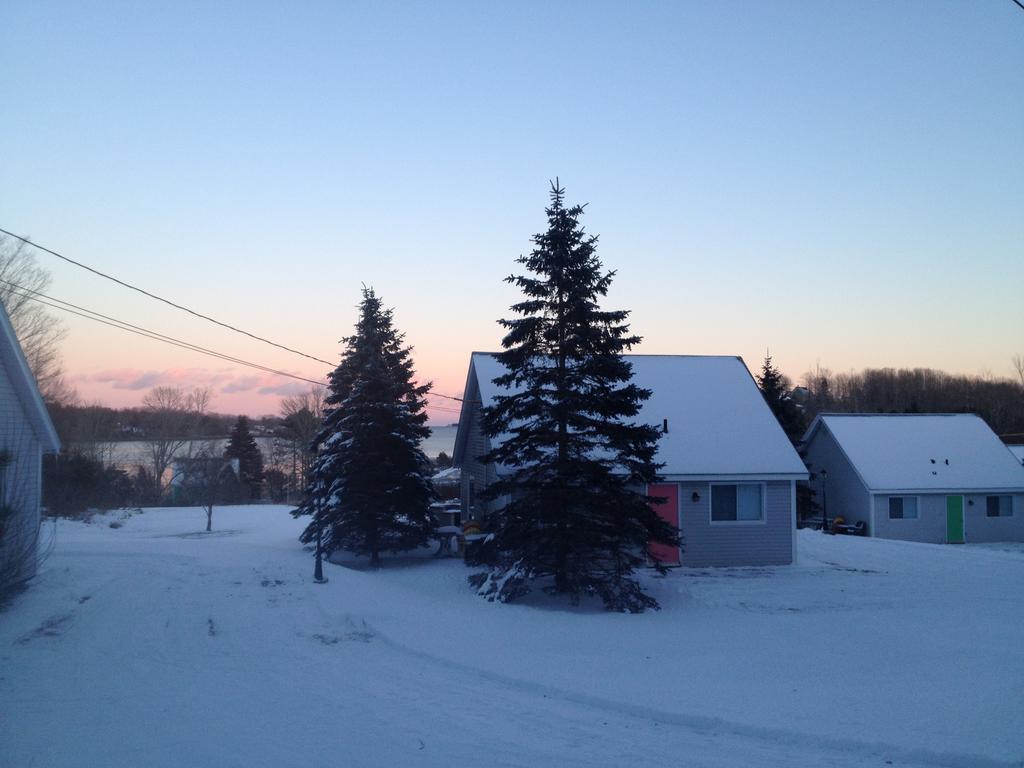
(165, 301)
(98, 317)
(113, 322)
(182, 344)
(446, 397)
(442, 408)
(1019, 4)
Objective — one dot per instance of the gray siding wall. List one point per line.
(845, 494)
(979, 528)
(930, 525)
(475, 476)
(21, 485)
(736, 544)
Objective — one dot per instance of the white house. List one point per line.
(26, 433)
(730, 472)
(921, 477)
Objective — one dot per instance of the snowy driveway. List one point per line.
(157, 645)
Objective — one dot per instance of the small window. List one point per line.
(999, 506)
(902, 507)
(736, 503)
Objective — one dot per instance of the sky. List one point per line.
(839, 183)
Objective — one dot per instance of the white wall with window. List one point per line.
(737, 503)
(989, 516)
(999, 506)
(903, 508)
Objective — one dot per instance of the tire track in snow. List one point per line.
(786, 741)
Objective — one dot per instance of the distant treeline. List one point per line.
(1000, 402)
(874, 390)
(100, 424)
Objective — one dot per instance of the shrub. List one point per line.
(73, 483)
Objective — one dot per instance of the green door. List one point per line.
(954, 519)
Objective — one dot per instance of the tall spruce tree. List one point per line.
(775, 390)
(242, 446)
(575, 523)
(369, 490)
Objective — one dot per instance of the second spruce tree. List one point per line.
(242, 446)
(370, 489)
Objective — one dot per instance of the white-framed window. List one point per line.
(903, 507)
(737, 503)
(999, 506)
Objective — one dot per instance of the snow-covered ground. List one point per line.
(155, 644)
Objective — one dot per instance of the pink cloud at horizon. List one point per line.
(255, 394)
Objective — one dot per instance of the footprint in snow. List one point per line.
(52, 627)
(359, 635)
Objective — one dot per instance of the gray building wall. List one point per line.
(475, 476)
(979, 528)
(845, 495)
(20, 485)
(736, 544)
(930, 525)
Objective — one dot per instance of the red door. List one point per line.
(667, 510)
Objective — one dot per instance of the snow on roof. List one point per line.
(447, 475)
(718, 422)
(1018, 451)
(923, 451)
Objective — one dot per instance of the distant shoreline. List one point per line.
(128, 453)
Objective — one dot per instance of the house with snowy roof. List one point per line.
(940, 478)
(729, 475)
(26, 433)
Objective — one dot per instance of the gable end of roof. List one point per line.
(25, 387)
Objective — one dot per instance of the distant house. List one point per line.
(26, 433)
(921, 477)
(730, 472)
(212, 477)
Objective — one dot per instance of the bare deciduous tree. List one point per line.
(86, 430)
(174, 415)
(303, 416)
(38, 331)
(1018, 366)
(208, 480)
(917, 390)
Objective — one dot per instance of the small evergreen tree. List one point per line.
(574, 518)
(242, 446)
(370, 488)
(775, 388)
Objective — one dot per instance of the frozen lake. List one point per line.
(129, 453)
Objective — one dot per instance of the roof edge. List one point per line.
(727, 476)
(646, 354)
(862, 415)
(29, 389)
(954, 491)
